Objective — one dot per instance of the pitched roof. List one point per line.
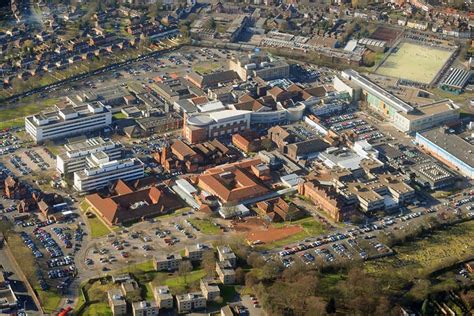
(134, 205)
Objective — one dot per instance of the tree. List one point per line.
(331, 306)
(267, 144)
(208, 263)
(239, 276)
(184, 268)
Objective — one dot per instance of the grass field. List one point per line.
(419, 259)
(414, 62)
(14, 116)
(206, 67)
(98, 228)
(205, 226)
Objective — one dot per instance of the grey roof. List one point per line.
(457, 78)
(451, 143)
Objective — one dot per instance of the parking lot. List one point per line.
(146, 240)
(353, 123)
(362, 242)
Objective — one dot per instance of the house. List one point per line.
(167, 262)
(209, 289)
(190, 302)
(163, 297)
(130, 288)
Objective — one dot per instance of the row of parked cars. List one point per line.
(30, 244)
(61, 273)
(319, 241)
(59, 262)
(37, 159)
(65, 237)
(48, 243)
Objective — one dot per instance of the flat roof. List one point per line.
(389, 98)
(452, 143)
(437, 107)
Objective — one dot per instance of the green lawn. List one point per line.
(206, 67)
(98, 229)
(12, 115)
(419, 259)
(177, 284)
(228, 292)
(205, 226)
(49, 300)
(119, 116)
(97, 309)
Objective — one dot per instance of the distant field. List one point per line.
(414, 62)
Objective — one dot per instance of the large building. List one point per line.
(233, 183)
(403, 116)
(449, 148)
(129, 203)
(260, 65)
(426, 116)
(71, 120)
(74, 159)
(202, 126)
(145, 308)
(103, 171)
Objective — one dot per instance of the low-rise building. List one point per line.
(449, 148)
(163, 297)
(190, 302)
(225, 253)
(145, 308)
(74, 158)
(117, 302)
(225, 272)
(209, 289)
(195, 252)
(167, 262)
(71, 120)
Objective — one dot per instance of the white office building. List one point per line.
(74, 159)
(101, 171)
(72, 120)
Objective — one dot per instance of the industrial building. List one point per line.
(449, 148)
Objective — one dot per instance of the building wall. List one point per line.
(445, 156)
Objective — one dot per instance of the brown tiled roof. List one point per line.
(319, 91)
(179, 147)
(134, 205)
(275, 91)
(199, 100)
(121, 188)
(232, 182)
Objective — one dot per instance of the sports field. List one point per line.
(414, 62)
